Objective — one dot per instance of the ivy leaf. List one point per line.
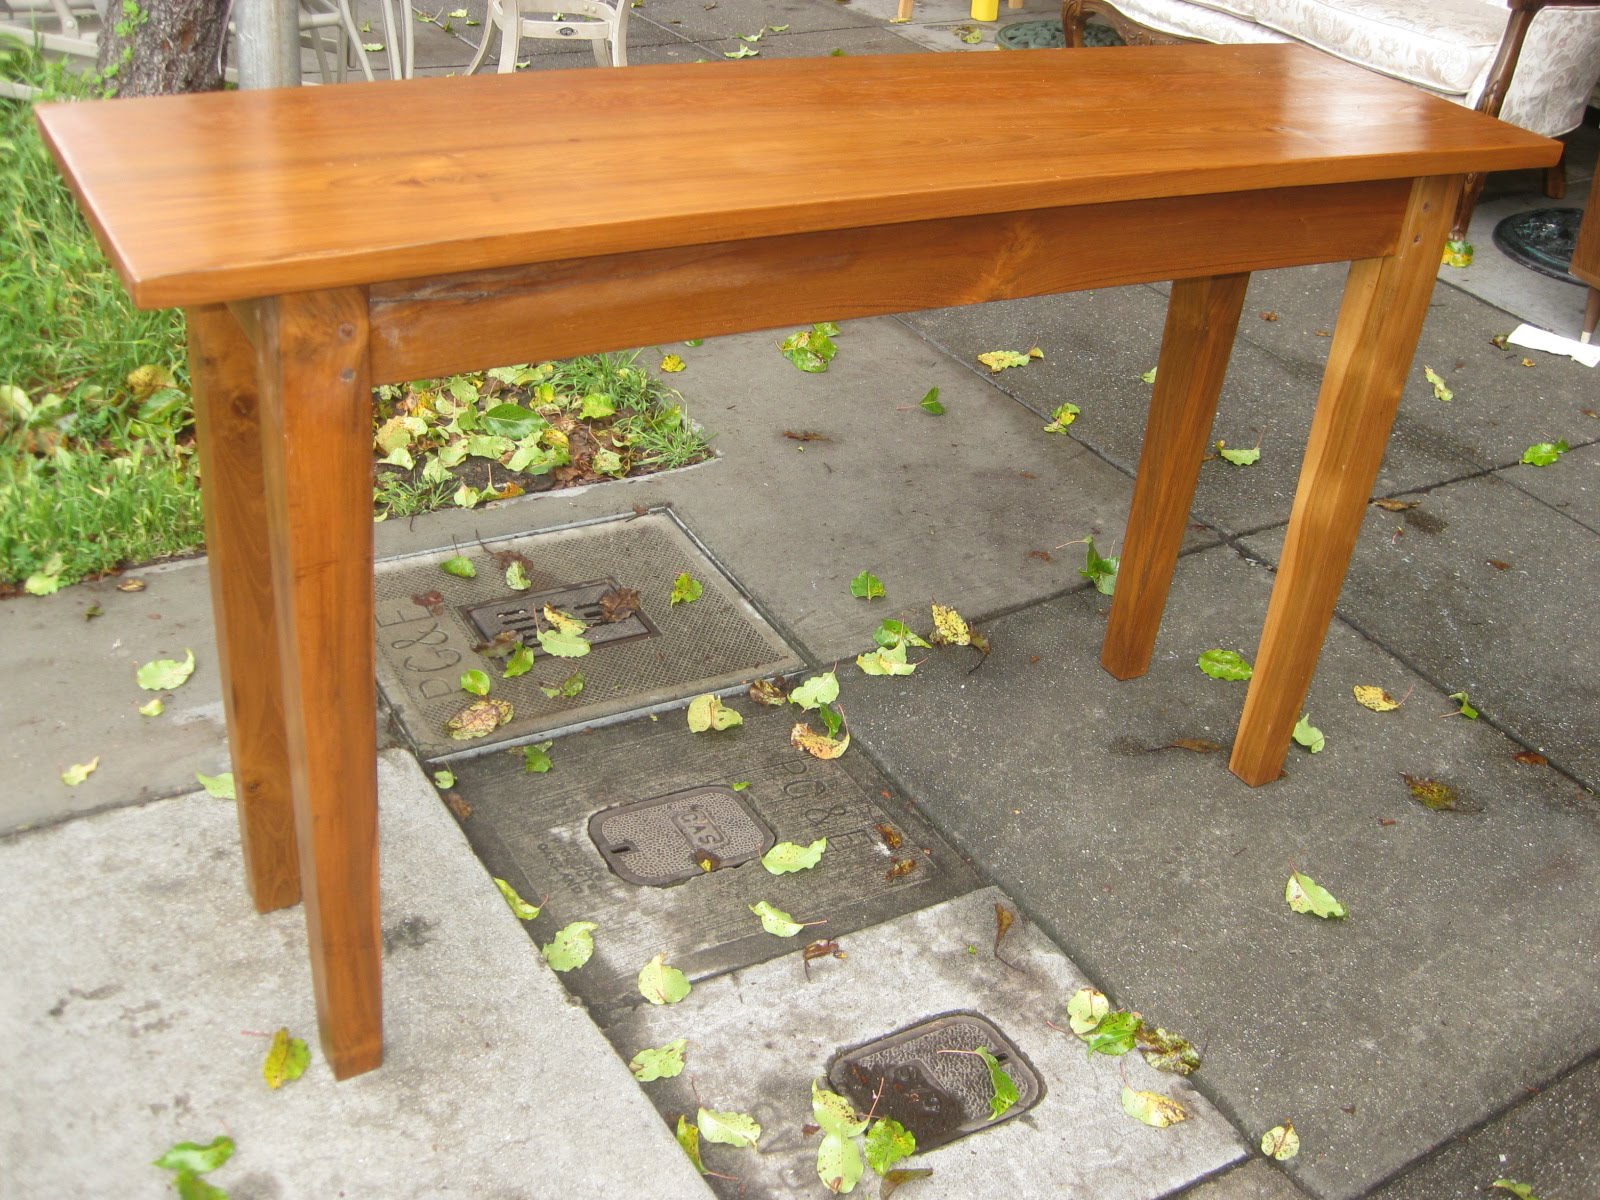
(866, 586)
(689, 1139)
(834, 1114)
(1064, 415)
(1467, 710)
(661, 984)
(78, 772)
(1522, 1190)
(1224, 664)
(1239, 458)
(1375, 698)
(709, 712)
(1001, 360)
(1167, 1051)
(893, 1180)
(888, 661)
(1440, 391)
(287, 1060)
(729, 1128)
(888, 1142)
(1308, 735)
(803, 737)
(897, 633)
(686, 589)
(1306, 895)
(950, 628)
(1152, 1108)
(930, 403)
(1087, 1008)
(787, 857)
(1542, 454)
(774, 920)
(1100, 570)
(519, 907)
(1005, 1088)
(672, 364)
(1281, 1142)
(520, 662)
(165, 674)
(571, 947)
(476, 682)
(663, 1062)
(1115, 1035)
(566, 689)
(220, 786)
(562, 644)
(517, 577)
(460, 566)
(839, 1164)
(536, 758)
(816, 691)
(189, 1156)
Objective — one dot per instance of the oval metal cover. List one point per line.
(668, 839)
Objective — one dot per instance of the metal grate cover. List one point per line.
(429, 624)
(937, 1096)
(667, 839)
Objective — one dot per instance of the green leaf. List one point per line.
(708, 712)
(1100, 570)
(220, 786)
(1440, 391)
(887, 661)
(775, 921)
(1239, 458)
(686, 589)
(566, 689)
(1306, 895)
(1544, 453)
(192, 1187)
(888, 1142)
(1281, 1142)
(826, 328)
(787, 857)
(1457, 253)
(1115, 1035)
(1224, 664)
(286, 1060)
(689, 1139)
(520, 662)
(866, 586)
(741, 52)
(42, 583)
(444, 780)
(897, 633)
(839, 1164)
(1005, 1088)
(155, 708)
(188, 1156)
(563, 644)
(1064, 415)
(1087, 1008)
(1522, 1190)
(834, 1113)
(536, 758)
(1308, 735)
(1152, 1108)
(728, 1128)
(460, 566)
(517, 577)
(78, 772)
(930, 403)
(571, 947)
(816, 691)
(832, 718)
(811, 349)
(476, 682)
(596, 406)
(513, 421)
(692, 343)
(663, 1062)
(520, 907)
(1467, 710)
(661, 984)
(1001, 360)
(165, 674)
(609, 462)
(1149, 376)
(1167, 1051)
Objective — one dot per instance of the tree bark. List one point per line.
(157, 47)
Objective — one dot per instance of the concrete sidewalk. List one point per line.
(1445, 1035)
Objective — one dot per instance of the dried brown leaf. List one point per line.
(619, 603)
(1530, 758)
(1389, 505)
(902, 867)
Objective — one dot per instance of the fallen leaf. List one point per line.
(619, 603)
(1167, 1051)
(132, 585)
(1543, 454)
(768, 692)
(563, 644)
(775, 921)
(165, 674)
(686, 589)
(517, 577)
(866, 586)
(741, 52)
(1281, 1142)
(1499, 564)
(1150, 375)
(432, 601)
(662, 1062)
(572, 946)
(806, 435)
(1224, 664)
(815, 692)
(1530, 758)
(479, 719)
(788, 857)
(78, 772)
(1375, 698)
(1001, 360)
(839, 1163)
(1005, 1088)
(566, 689)
(1062, 416)
(1308, 735)
(950, 628)
(930, 403)
(892, 633)
(459, 566)
(154, 708)
(1100, 570)
(1524, 1191)
(1152, 1108)
(93, 611)
(729, 1128)
(1389, 505)
(885, 661)
(536, 758)
(818, 745)
(475, 682)
(1305, 895)
(672, 364)
(1457, 253)
(1466, 709)
(1004, 919)
(892, 1180)
(1087, 1008)
(1440, 391)
(689, 1139)
(1239, 458)
(520, 907)
(812, 349)
(520, 662)
(708, 712)
(821, 948)
(286, 1061)
(1269, 316)
(1430, 793)
(888, 1142)
(661, 984)
(1115, 1035)
(892, 837)
(220, 786)
(190, 1156)
(1527, 362)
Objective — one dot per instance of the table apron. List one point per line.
(450, 323)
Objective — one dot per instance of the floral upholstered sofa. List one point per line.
(1533, 63)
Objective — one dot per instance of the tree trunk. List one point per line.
(156, 47)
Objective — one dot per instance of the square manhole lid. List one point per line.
(667, 839)
(928, 1077)
(432, 627)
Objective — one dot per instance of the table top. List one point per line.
(227, 196)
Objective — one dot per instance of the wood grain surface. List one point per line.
(233, 195)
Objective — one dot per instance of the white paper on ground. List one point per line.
(1542, 339)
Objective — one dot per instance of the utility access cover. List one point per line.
(616, 576)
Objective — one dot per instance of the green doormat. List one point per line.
(1042, 35)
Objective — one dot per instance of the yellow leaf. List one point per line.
(672, 364)
(818, 745)
(949, 627)
(564, 622)
(1375, 698)
(1152, 1108)
(78, 772)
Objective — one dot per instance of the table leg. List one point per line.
(1385, 302)
(222, 371)
(1202, 317)
(317, 449)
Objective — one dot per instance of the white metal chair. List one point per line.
(604, 26)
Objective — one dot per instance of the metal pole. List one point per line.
(269, 42)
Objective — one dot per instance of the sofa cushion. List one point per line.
(1243, 9)
(1443, 45)
(1192, 21)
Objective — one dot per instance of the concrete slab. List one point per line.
(1571, 486)
(960, 507)
(1256, 1180)
(1550, 1142)
(533, 830)
(1162, 876)
(1424, 583)
(147, 987)
(867, 40)
(757, 1038)
(1098, 344)
(702, 22)
(71, 695)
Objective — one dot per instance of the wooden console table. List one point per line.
(323, 240)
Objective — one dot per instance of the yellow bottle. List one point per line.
(985, 10)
